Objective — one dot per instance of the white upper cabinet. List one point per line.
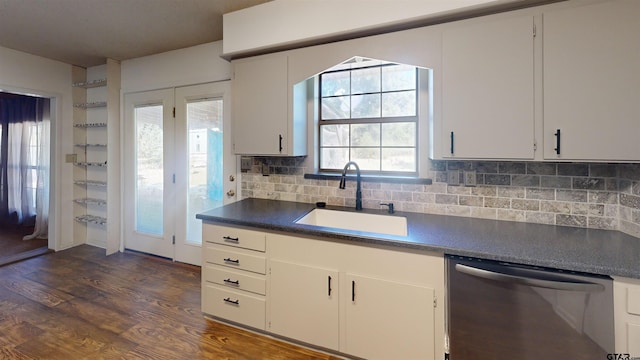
(591, 82)
(488, 89)
(266, 119)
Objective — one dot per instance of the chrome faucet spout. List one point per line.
(343, 181)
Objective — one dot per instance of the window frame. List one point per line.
(375, 120)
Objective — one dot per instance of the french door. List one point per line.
(175, 167)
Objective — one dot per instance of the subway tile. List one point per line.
(470, 200)
(464, 190)
(335, 201)
(524, 204)
(612, 210)
(458, 210)
(603, 197)
(611, 184)
(483, 213)
(588, 183)
(413, 187)
(541, 194)
(438, 165)
(511, 192)
(541, 168)
(625, 186)
(401, 196)
(630, 228)
(630, 201)
(497, 179)
(439, 188)
(525, 180)
(571, 220)
(412, 207)
(484, 191)
(540, 217)
(555, 207)
(512, 168)
(446, 199)
(556, 182)
(587, 209)
(510, 215)
(492, 202)
(487, 167)
(629, 171)
(424, 197)
(598, 222)
(381, 194)
(570, 169)
(571, 195)
(369, 185)
(602, 170)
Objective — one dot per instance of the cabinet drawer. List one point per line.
(242, 238)
(234, 279)
(235, 258)
(234, 306)
(633, 300)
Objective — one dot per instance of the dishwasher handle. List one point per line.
(530, 278)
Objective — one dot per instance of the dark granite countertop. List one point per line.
(602, 252)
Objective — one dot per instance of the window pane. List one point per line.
(367, 158)
(365, 135)
(399, 159)
(334, 158)
(401, 103)
(365, 106)
(336, 83)
(365, 81)
(205, 144)
(399, 134)
(334, 135)
(399, 77)
(335, 108)
(149, 170)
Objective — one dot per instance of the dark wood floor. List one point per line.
(13, 248)
(80, 304)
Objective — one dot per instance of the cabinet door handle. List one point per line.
(234, 302)
(234, 282)
(230, 260)
(353, 291)
(329, 286)
(229, 238)
(452, 143)
(280, 143)
(557, 148)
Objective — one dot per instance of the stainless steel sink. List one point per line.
(346, 220)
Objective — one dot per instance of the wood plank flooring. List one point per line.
(81, 304)
(13, 248)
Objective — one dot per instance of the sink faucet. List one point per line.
(343, 181)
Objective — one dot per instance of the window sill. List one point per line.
(372, 178)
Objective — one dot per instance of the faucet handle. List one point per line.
(390, 205)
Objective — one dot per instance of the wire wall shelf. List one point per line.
(96, 164)
(88, 105)
(91, 183)
(92, 219)
(90, 125)
(91, 83)
(90, 201)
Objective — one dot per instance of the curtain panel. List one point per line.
(24, 161)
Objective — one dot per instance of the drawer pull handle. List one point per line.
(229, 238)
(234, 302)
(329, 286)
(234, 282)
(230, 260)
(353, 291)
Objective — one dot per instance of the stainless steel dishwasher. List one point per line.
(500, 310)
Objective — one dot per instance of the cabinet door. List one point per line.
(304, 303)
(591, 81)
(388, 320)
(488, 90)
(260, 102)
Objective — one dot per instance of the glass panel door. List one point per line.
(149, 193)
(204, 154)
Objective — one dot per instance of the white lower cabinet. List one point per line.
(364, 301)
(389, 320)
(627, 315)
(304, 303)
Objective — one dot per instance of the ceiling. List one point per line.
(86, 32)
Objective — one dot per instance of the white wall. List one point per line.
(188, 66)
(28, 74)
(286, 22)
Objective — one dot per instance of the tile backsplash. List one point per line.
(595, 195)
